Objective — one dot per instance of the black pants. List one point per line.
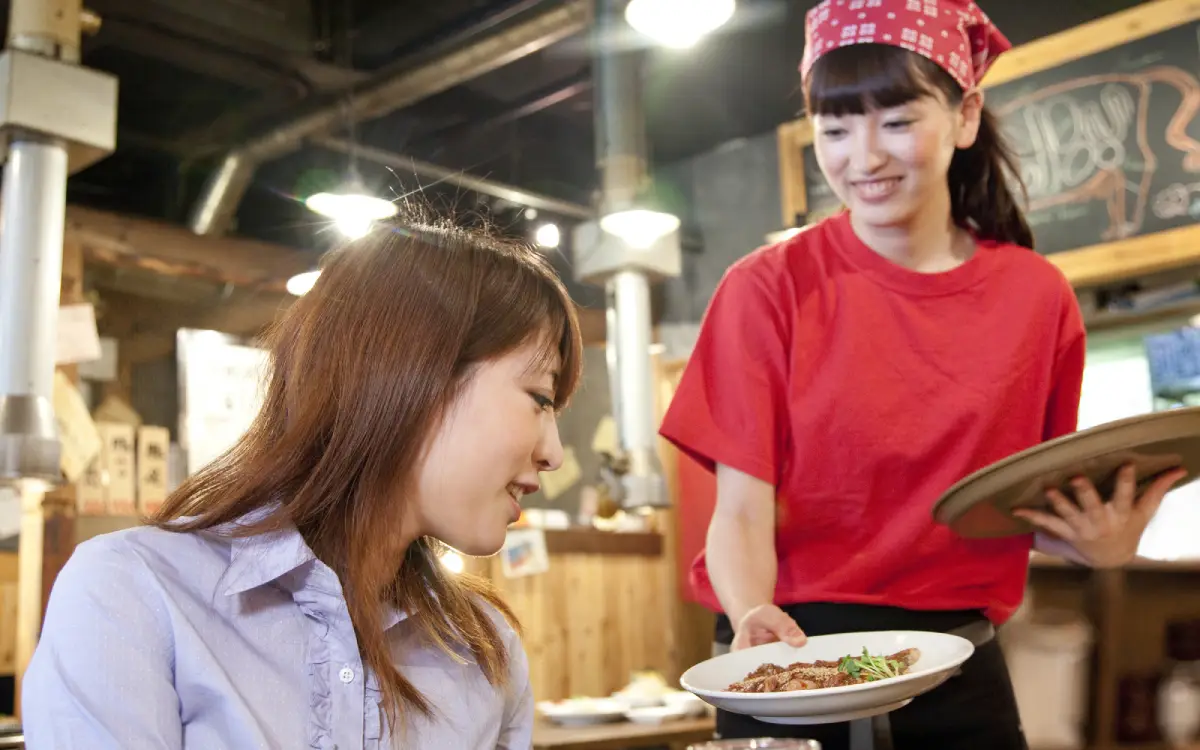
(975, 710)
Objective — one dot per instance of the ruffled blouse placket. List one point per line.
(344, 711)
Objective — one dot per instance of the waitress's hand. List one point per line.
(1106, 535)
(766, 623)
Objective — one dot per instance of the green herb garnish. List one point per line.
(870, 668)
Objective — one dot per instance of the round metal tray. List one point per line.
(981, 505)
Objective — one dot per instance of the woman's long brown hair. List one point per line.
(362, 369)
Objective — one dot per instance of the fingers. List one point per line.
(1049, 523)
(768, 624)
(1151, 499)
(782, 627)
(1086, 496)
(790, 633)
(1126, 491)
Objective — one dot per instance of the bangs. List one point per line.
(855, 79)
(559, 346)
(536, 307)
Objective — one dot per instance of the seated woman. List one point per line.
(290, 595)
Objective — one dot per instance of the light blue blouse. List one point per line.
(158, 640)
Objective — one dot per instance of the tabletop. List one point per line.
(621, 735)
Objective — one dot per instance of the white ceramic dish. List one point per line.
(655, 715)
(577, 712)
(690, 704)
(941, 655)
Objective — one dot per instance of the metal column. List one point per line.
(33, 206)
(56, 118)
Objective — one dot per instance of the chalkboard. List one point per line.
(1109, 144)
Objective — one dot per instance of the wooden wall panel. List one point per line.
(591, 621)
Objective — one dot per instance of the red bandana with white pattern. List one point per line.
(955, 34)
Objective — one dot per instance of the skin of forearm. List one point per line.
(740, 549)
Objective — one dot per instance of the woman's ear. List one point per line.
(970, 113)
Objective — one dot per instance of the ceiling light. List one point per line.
(640, 227)
(353, 212)
(301, 283)
(548, 236)
(678, 24)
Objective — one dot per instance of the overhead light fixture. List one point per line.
(353, 211)
(678, 24)
(548, 235)
(301, 283)
(639, 227)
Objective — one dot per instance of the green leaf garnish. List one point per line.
(870, 668)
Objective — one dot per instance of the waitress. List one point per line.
(845, 378)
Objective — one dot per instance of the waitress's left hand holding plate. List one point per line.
(1105, 534)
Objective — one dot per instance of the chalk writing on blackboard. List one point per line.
(1088, 139)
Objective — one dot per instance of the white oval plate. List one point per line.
(941, 655)
(579, 712)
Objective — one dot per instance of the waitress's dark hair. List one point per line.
(853, 79)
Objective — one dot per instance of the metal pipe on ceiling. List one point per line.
(460, 179)
(215, 208)
(538, 101)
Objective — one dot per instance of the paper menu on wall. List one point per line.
(153, 456)
(555, 483)
(78, 340)
(119, 458)
(77, 434)
(221, 393)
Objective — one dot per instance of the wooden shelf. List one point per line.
(583, 541)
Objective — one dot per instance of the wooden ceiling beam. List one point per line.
(171, 250)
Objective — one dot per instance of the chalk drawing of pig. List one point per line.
(1086, 140)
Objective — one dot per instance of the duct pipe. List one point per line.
(461, 179)
(34, 209)
(214, 210)
(620, 153)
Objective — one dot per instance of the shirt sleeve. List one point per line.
(731, 403)
(1062, 413)
(101, 677)
(517, 732)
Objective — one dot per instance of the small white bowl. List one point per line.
(690, 704)
(655, 715)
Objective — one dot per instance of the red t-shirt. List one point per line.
(862, 390)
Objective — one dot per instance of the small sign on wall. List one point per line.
(119, 462)
(524, 553)
(153, 456)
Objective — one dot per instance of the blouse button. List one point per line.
(347, 675)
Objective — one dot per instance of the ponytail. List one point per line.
(981, 194)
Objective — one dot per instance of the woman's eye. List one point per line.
(898, 124)
(833, 132)
(544, 403)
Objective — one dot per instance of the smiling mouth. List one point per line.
(876, 188)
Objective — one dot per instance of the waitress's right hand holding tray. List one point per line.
(1090, 495)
